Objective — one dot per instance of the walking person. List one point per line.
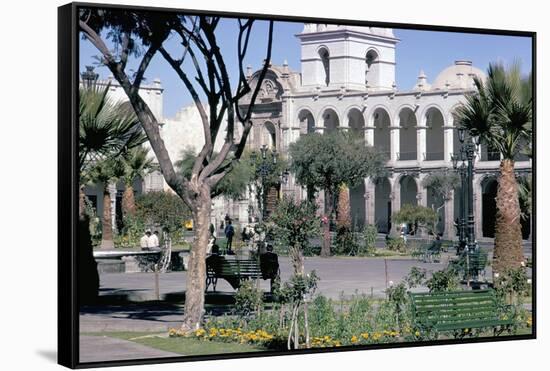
(229, 233)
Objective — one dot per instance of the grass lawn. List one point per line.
(184, 346)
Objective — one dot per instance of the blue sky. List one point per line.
(431, 51)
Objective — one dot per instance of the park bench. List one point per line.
(427, 253)
(234, 271)
(459, 312)
(476, 265)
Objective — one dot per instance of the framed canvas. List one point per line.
(242, 185)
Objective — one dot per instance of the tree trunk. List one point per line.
(325, 249)
(106, 223)
(297, 260)
(128, 201)
(196, 275)
(344, 211)
(508, 253)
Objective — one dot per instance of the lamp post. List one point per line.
(265, 168)
(89, 77)
(460, 166)
(466, 156)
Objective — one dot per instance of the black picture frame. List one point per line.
(68, 255)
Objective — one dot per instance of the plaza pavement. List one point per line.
(103, 348)
(128, 300)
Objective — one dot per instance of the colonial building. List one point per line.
(347, 82)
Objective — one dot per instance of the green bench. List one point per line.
(233, 271)
(459, 312)
(475, 266)
(427, 253)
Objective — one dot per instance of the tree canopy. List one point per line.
(327, 161)
(500, 111)
(106, 128)
(441, 184)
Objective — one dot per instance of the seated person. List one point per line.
(269, 263)
(215, 256)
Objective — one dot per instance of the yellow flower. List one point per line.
(417, 333)
(365, 335)
(354, 339)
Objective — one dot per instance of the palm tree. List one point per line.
(106, 129)
(136, 165)
(105, 173)
(500, 114)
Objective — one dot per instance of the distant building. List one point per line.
(347, 82)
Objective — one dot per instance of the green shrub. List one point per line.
(248, 299)
(163, 209)
(344, 243)
(422, 216)
(370, 232)
(512, 286)
(443, 280)
(396, 244)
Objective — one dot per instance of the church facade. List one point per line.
(347, 82)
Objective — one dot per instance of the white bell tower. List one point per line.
(353, 57)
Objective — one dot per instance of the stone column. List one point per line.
(369, 201)
(422, 195)
(447, 143)
(369, 135)
(450, 231)
(394, 142)
(420, 143)
(112, 192)
(478, 210)
(395, 195)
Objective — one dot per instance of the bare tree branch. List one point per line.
(260, 79)
(208, 146)
(148, 121)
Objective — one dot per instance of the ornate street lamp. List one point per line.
(264, 169)
(466, 156)
(460, 167)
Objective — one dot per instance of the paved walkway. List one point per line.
(102, 348)
(337, 275)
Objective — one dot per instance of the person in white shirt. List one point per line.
(153, 241)
(144, 240)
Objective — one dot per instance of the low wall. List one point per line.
(137, 261)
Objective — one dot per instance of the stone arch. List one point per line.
(269, 135)
(372, 67)
(488, 186)
(381, 122)
(329, 119)
(306, 120)
(434, 120)
(382, 204)
(408, 190)
(355, 122)
(407, 122)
